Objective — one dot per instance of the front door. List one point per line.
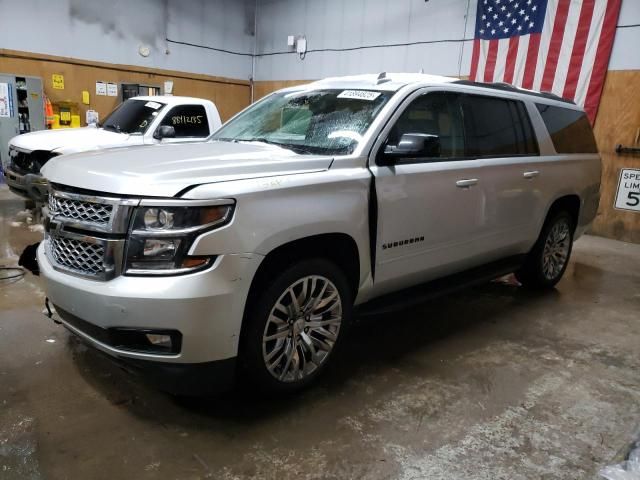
(431, 207)
(9, 122)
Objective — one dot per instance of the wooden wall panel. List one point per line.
(229, 95)
(617, 122)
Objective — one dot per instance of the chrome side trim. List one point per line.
(153, 202)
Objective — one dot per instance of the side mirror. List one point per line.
(164, 131)
(412, 145)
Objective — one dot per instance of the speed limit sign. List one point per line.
(628, 196)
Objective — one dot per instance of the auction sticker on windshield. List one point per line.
(359, 95)
(154, 105)
(628, 196)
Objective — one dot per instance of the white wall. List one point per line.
(626, 46)
(342, 24)
(111, 31)
(338, 24)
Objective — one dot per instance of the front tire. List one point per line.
(294, 327)
(547, 261)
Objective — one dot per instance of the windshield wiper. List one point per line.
(113, 128)
(289, 146)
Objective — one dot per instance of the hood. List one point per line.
(165, 170)
(68, 140)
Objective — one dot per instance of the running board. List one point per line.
(419, 294)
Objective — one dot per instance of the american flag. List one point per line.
(559, 46)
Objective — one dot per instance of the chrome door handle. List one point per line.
(531, 174)
(467, 182)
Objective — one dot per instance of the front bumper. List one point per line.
(205, 307)
(31, 186)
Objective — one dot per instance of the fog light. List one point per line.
(159, 340)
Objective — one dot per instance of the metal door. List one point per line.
(9, 124)
(430, 212)
(35, 101)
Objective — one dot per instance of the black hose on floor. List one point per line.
(11, 273)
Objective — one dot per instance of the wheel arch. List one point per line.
(341, 248)
(571, 203)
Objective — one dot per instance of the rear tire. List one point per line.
(548, 259)
(294, 327)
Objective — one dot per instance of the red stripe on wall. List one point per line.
(532, 59)
(474, 60)
(492, 55)
(579, 46)
(602, 59)
(555, 45)
(512, 53)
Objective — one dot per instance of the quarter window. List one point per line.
(188, 121)
(497, 127)
(569, 129)
(433, 114)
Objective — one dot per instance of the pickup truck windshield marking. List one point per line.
(329, 122)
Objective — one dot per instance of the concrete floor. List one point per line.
(491, 383)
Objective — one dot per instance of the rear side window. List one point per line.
(497, 127)
(569, 129)
(188, 121)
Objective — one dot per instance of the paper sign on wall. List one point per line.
(92, 117)
(101, 88)
(85, 97)
(112, 90)
(57, 81)
(5, 100)
(628, 196)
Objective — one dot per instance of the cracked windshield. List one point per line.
(328, 122)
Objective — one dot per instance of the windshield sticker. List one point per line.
(154, 105)
(359, 95)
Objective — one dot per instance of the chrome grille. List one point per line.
(86, 233)
(81, 257)
(81, 211)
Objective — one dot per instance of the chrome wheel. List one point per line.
(302, 328)
(556, 250)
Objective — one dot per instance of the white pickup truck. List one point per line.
(246, 254)
(136, 121)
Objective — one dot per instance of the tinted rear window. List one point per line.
(497, 127)
(569, 129)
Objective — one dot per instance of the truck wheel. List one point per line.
(295, 326)
(547, 261)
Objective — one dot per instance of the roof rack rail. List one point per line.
(512, 88)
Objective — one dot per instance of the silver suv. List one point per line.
(244, 256)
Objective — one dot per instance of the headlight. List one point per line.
(162, 235)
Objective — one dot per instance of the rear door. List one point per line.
(430, 210)
(500, 137)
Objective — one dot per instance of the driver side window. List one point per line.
(433, 114)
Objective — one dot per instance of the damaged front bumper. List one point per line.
(30, 186)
